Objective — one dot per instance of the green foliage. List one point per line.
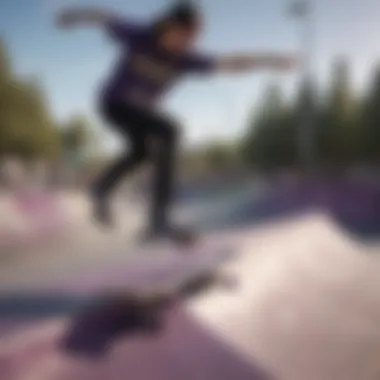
(346, 126)
(5, 63)
(270, 139)
(27, 129)
(75, 134)
(369, 135)
(211, 157)
(336, 126)
(219, 155)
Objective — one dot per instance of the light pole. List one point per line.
(303, 12)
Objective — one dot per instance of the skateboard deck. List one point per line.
(141, 309)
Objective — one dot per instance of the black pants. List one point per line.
(140, 127)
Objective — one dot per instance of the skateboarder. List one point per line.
(154, 56)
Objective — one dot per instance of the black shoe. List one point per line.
(175, 234)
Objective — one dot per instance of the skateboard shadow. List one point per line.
(94, 331)
(164, 340)
(178, 346)
(96, 320)
(94, 323)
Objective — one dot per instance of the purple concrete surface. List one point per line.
(330, 288)
(355, 205)
(42, 217)
(181, 349)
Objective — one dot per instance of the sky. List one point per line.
(73, 64)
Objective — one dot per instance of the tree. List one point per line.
(270, 138)
(27, 129)
(5, 88)
(76, 138)
(40, 138)
(337, 130)
(370, 121)
(5, 63)
(219, 155)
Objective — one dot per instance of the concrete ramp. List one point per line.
(307, 308)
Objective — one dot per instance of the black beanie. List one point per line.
(184, 12)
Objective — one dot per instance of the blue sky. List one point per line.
(72, 65)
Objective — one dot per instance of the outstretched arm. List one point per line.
(248, 62)
(84, 16)
(119, 29)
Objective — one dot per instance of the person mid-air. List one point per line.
(154, 56)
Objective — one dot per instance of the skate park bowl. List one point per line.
(353, 204)
(31, 218)
(306, 305)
